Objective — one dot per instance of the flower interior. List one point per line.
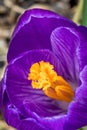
(43, 76)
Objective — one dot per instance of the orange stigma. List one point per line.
(43, 76)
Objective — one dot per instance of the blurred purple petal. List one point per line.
(33, 31)
(77, 114)
(54, 123)
(31, 124)
(11, 116)
(83, 31)
(76, 117)
(81, 93)
(82, 53)
(65, 42)
(14, 118)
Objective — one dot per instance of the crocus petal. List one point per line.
(83, 31)
(14, 118)
(31, 124)
(9, 112)
(77, 114)
(19, 87)
(81, 94)
(33, 31)
(48, 122)
(83, 55)
(11, 116)
(64, 44)
(54, 123)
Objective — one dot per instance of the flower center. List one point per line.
(44, 77)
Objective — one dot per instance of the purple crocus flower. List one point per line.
(45, 83)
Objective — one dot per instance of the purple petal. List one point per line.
(54, 123)
(19, 87)
(14, 118)
(33, 31)
(31, 124)
(83, 55)
(82, 51)
(11, 116)
(65, 42)
(77, 114)
(81, 93)
(83, 31)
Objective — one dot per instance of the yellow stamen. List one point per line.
(44, 77)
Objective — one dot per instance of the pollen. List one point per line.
(44, 77)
